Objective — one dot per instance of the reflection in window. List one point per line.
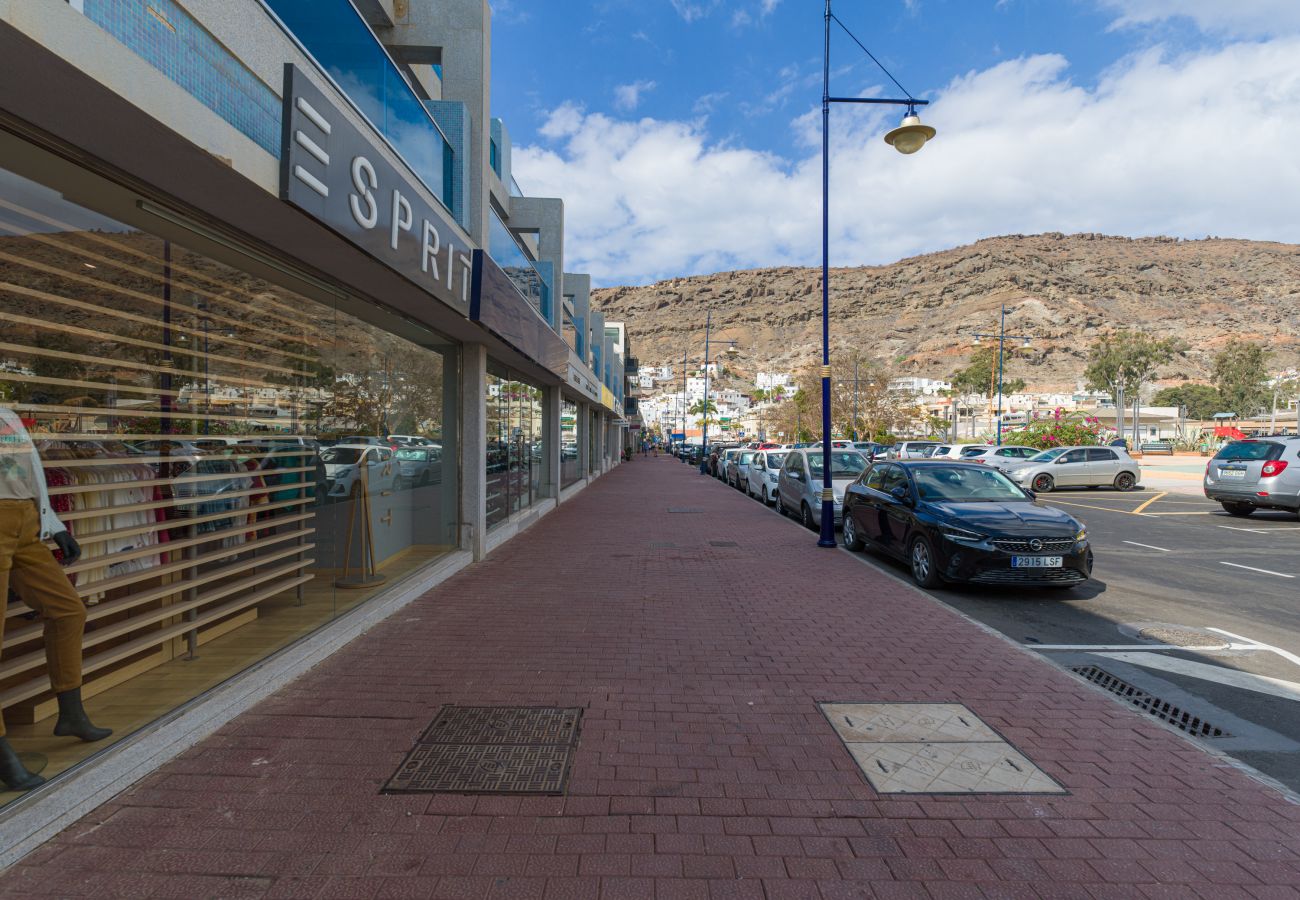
(570, 464)
(515, 448)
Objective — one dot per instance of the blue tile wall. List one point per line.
(174, 43)
(453, 118)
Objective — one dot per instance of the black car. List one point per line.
(954, 521)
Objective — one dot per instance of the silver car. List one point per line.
(1004, 457)
(764, 473)
(738, 469)
(1263, 473)
(912, 449)
(724, 457)
(1090, 467)
(799, 489)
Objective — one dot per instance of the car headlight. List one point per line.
(1081, 536)
(961, 535)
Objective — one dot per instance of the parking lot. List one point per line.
(1198, 609)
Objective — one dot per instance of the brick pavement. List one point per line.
(705, 768)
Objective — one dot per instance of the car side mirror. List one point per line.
(1061, 461)
(901, 494)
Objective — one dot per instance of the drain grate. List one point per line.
(723, 544)
(1161, 709)
(491, 750)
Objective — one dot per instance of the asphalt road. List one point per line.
(1170, 568)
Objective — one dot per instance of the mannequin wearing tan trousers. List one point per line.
(29, 568)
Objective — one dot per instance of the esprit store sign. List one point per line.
(336, 172)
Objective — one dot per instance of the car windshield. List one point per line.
(968, 452)
(1048, 455)
(844, 464)
(343, 456)
(746, 457)
(1250, 450)
(774, 460)
(416, 455)
(938, 484)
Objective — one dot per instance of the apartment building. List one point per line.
(275, 296)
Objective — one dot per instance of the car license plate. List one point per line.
(1232, 473)
(1036, 562)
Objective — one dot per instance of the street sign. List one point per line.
(678, 436)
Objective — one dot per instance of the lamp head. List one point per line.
(977, 340)
(1026, 343)
(911, 135)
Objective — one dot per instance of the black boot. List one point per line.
(73, 719)
(12, 771)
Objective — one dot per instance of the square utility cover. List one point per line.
(933, 748)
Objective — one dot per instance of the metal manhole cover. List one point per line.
(1161, 709)
(723, 544)
(491, 750)
(685, 509)
(503, 725)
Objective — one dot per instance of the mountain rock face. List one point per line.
(1064, 291)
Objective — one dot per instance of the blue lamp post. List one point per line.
(1002, 338)
(907, 138)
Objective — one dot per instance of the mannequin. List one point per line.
(27, 565)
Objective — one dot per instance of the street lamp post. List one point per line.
(1002, 336)
(908, 138)
(704, 435)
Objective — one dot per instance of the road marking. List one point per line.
(1285, 654)
(1253, 569)
(1102, 508)
(1204, 513)
(1148, 546)
(1138, 511)
(1239, 528)
(1097, 648)
(1260, 684)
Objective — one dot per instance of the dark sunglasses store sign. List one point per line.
(336, 172)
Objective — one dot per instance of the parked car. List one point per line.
(738, 468)
(870, 449)
(1003, 457)
(344, 463)
(799, 488)
(1258, 473)
(911, 449)
(410, 440)
(958, 451)
(1077, 467)
(418, 465)
(955, 521)
(764, 473)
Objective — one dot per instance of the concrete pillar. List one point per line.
(584, 439)
(544, 216)
(474, 445)
(552, 440)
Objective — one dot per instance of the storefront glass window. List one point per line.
(570, 468)
(237, 463)
(516, 451)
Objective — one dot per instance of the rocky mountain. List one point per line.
(921, 313)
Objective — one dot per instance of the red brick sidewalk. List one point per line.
(705, 768)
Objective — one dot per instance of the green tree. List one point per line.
(1241, 375)
(980, 375)
(705, 409)
(1122, 362)
(1202, 400)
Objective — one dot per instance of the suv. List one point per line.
(912, 449)
(1257, 473)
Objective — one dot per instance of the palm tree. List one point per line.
(704, 409)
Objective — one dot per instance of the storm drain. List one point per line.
(1161, 709)
(491, 750)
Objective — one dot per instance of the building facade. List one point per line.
(286, 335)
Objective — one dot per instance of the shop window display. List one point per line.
(516, 453)
(570, 468)
(227, 466)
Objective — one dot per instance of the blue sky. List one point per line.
(684, 134)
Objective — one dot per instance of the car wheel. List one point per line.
(851, 539)
(806, 517)
(1240, 510)
(924, 568)
(1125, 481)
(766, 498)
(1043, 483)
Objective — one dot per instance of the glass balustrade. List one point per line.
(507, 254)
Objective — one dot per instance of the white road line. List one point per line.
(1285, 654)
(1253, 569)
(1260, 684)
(1239, 528)
(1148, 546)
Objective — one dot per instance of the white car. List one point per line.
(959, 451)
(343, 465)
(1003, 458)
(764, 473)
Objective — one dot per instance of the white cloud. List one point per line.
(692, 10)
(1185, 146)
(1235, 17)
(628, 96)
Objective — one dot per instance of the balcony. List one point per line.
(510, 256)
(341, 42)
(631, 366)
